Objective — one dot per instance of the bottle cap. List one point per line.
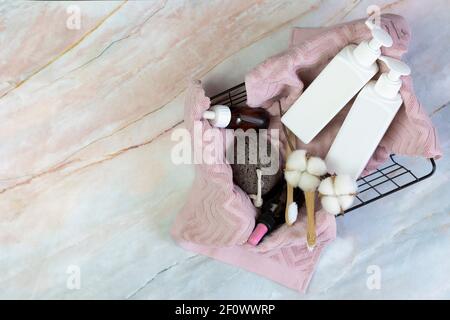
(367, 52)
(257, 234)
(389, 83)
(219, 116)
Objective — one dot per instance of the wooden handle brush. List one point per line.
(291, 210)
(310, 198)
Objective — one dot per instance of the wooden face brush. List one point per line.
(310, 198)
(291, 210)
(305, 172)
(291, 176)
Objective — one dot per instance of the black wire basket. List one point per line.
(388, 179)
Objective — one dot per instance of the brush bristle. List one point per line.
(292, 213)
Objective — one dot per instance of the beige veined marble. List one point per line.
(87, 188)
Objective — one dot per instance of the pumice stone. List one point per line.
(267, 160)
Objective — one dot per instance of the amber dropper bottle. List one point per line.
(244, 118)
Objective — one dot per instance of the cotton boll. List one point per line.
(331, 205)
(338, 193)
(296, 161)
(292, 177)
(346, 201)
(308, 182)
(344, 185)
(292, 213)
(316, 166)
(326, 187)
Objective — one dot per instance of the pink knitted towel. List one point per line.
(218, 216)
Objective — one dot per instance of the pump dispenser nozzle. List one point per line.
(367, 52)
(389, 83)
(380, 39)
(397, 68)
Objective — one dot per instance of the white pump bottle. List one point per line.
(341, 79)
(367, 122)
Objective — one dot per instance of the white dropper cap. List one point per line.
(389, 83)
(367, 52)
(219, 116)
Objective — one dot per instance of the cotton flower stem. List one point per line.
(310, 223)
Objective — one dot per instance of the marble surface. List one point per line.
(87, 188)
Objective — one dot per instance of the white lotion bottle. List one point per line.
(368, 120)
(333, 88)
